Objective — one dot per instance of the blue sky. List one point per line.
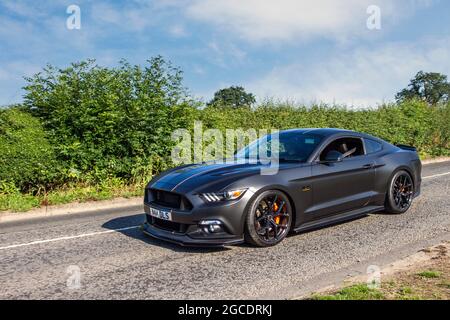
(307, 51)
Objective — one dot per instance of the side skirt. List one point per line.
(338, 218)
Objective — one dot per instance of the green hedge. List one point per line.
(413, 122)
(91, 125)
(27, 160)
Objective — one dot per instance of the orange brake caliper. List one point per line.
(277, 218)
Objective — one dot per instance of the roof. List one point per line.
(325, 132)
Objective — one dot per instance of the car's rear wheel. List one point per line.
(268, 219)
(400, 194)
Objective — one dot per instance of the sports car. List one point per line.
(324, 177)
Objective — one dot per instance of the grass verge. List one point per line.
(428, 280)
(355, 292)
(18, 202)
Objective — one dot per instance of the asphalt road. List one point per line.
(115, 260)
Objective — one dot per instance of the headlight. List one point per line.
(223, 196)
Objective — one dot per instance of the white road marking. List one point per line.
(127, 228)
(68, 237)
(437, 175)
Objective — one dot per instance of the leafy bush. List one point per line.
(26, 158)
(110, 122)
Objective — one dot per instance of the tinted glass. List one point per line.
(372, 146)
(351, 147)
(292, 146)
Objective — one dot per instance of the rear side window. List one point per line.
(372, 146)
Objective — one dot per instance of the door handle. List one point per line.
(368, 166)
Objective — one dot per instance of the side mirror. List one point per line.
(333, 156)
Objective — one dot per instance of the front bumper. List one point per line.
(185, 228)
(185, 240)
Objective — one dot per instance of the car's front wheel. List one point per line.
(268, 219)
(400, 193)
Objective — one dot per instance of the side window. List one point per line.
(354, 146)
(372, 146)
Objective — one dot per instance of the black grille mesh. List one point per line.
(169, 200)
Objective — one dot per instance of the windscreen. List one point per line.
(292, 146)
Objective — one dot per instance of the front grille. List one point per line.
(169, 225)
(169, 200)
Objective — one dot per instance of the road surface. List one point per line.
(42, 259)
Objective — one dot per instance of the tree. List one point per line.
(427, 86)
(234, 97)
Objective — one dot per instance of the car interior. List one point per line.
(297, 147)
(346, 147)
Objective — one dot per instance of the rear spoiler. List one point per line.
(405, 147)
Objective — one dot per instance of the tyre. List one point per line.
(268, 219)
(400, 193)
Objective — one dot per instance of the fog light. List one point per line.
(214, 228)
(211, 226)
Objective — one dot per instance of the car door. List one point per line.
(342, 186)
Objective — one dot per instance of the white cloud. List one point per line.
(257, 20)
(362, 77)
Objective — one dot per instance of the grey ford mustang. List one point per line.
(324, 176)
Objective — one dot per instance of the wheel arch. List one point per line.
(401, 168)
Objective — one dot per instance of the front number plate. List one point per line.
(161, 214)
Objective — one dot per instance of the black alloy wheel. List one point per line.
(269, 219)
(401, 193)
